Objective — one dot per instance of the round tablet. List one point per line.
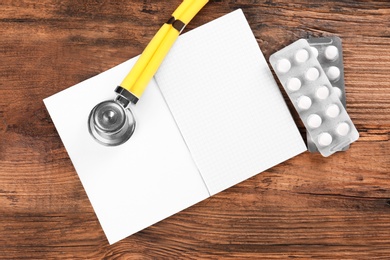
(331, 52)
(333, 73)
(314, 51)
(294, 84)
(304, 102)
(325, 139)
(338, 91)
(342, 129)
(283, 65)
(302, 55)
(314, 121)
(333, 111)
(312, 74)
(322, 92)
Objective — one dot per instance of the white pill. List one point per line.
(338, 91)
(333, 111)
(342, 129)
(333, 73)
(314, 51)
(331, 52)
(314, 121)
(283, 65)
(304, 102)
(312, 74)
(322, 92)
(301, 55)
(325, 139)
(294, 84)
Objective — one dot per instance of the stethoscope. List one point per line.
(112, 122)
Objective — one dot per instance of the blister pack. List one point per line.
(329, 53)
(313, 96)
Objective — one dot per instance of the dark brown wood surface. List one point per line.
(309, 206)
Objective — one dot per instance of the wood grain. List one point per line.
(309, 206)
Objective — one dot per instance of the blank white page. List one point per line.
(226, 103)
(139, 183)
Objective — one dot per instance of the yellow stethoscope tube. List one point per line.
(145, 57)
(196, 6)
(151, 48)
(153, 55)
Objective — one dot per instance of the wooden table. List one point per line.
(309, 206)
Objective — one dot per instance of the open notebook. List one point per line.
(212, 117)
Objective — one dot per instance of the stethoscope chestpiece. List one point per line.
(111, 123)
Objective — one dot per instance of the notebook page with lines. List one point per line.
(226, 103)
(132, 186)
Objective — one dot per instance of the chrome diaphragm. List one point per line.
(111, 123)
